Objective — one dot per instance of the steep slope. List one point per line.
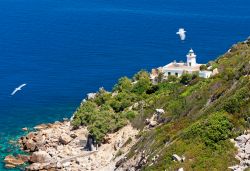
(201, 115)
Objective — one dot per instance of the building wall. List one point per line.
(173, 72)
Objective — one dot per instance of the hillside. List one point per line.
(200, 118)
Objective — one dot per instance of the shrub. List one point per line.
(124, 84)
(142, 86)
(186, 79)
(234, 103)
(203, 67)
(212, 130)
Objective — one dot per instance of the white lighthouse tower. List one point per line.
(191, 58)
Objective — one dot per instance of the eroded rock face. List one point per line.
(40, 157)
(59, 147)
(65, 139)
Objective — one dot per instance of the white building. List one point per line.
(190, 66)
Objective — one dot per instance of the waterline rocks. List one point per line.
(60, 147)
(11, 161)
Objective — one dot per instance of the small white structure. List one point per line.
(205, 74)
(190, 66)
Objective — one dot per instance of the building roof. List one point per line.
(181, 66)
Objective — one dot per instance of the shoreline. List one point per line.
(58, 146)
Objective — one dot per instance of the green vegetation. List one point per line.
(109, 111)
(201, 115)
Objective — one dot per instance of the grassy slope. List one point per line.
(201, 116)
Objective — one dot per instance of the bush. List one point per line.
(234, 103)
(142, 86)
(186, 78)
(141, 75)
(212, 130)
(203, 67)
(172, 78)
(124, 84)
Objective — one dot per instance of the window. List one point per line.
(169, 73)
(176, 74)
(189, 63)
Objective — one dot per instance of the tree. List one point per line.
(140, 75)
(124, 84)
(142, 86)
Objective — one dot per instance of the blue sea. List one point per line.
(63, 49)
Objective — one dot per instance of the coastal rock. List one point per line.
(30, 145)
(40, 127)
(9, 166)
(12, 161)
(25, 129)
(40, 157)
(65, 139)
(24, 158)
(61, 148)
(91, 96)
(31, 135)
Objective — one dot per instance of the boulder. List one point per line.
(91, 96)
(66, 164)
(24, 158)
(73, 136)
(241, 139)
(159, 111)
(65, 139)
(152, 123)
(176, 157)
(247, 148)
(215, 71)
(147, 121)
(12, 161)
(25, 129)
(30, 145)
(40, 157)
(36, 166)
(180, 169)
(31, 135)
(9, 166)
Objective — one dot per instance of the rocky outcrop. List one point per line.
(60, 147)
(242, 142)
(65, 139)
(40, 157)
(91, 96)
(11, 161)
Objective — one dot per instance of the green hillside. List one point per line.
(201, 115)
